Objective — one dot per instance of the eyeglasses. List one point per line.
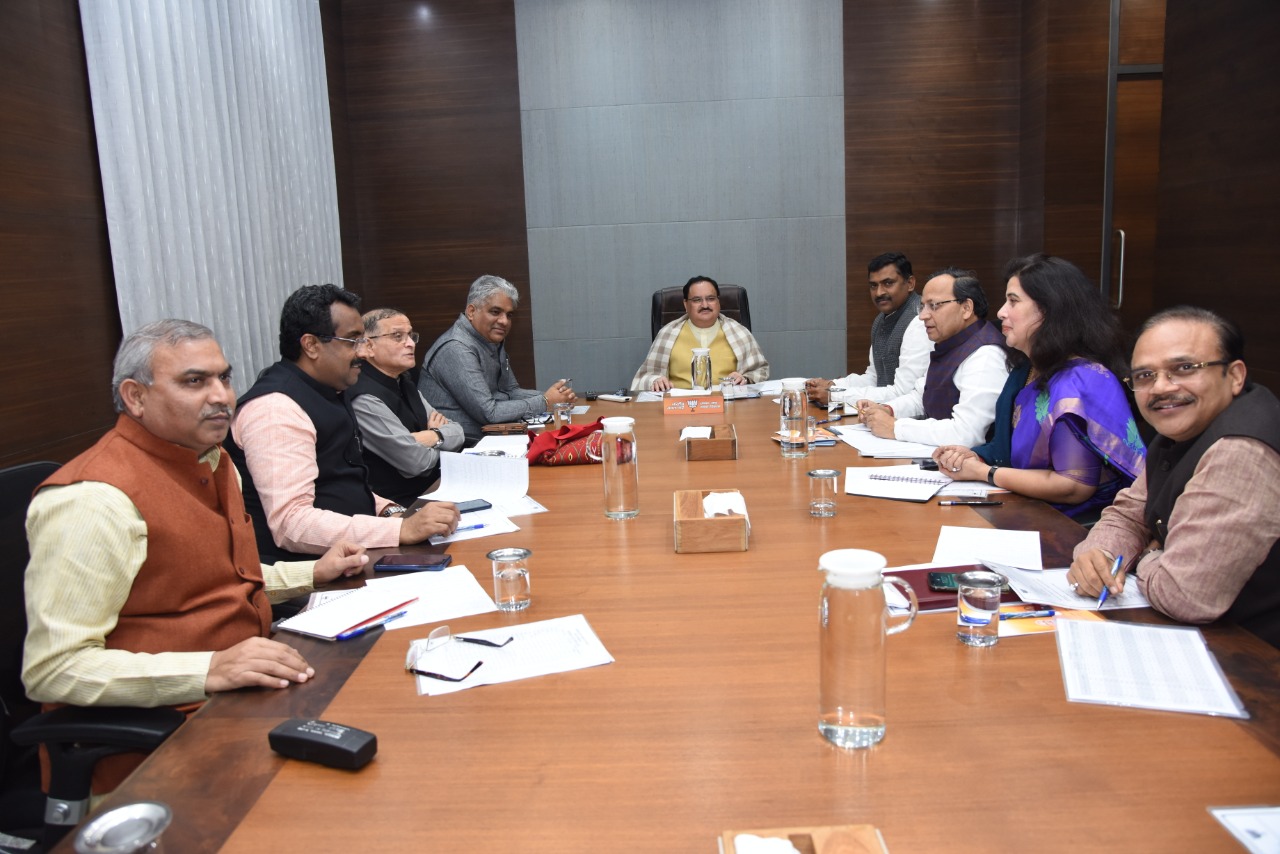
(1178, 374)
(700, 300)
(441, 639)
(354, 342)
(398, 337)
(931, 307)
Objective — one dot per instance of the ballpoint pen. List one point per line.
(469, 528)
(829, 420)
(359, 630)
(970, 503)
(1028, 615)
(1115, 568)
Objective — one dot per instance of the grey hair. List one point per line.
(486, 288)
(373, 318)
(133, 359)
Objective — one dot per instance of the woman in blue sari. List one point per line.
(1064, 430)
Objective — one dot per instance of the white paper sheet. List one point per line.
(495, 479)
(509, 446)
(1256, 828)
(452, 592)
(1148, 667)
(649, 397)
(1050, 587)
(868, 444)
(345, 612)
(958, 546)
(477, 524)
(547, 646)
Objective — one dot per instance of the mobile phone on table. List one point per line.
(473, 504)
(411, 563)
(945, 582)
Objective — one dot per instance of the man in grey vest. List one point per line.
(899, 346)
(1199, 527)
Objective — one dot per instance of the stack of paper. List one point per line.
(346, 613)
(860, 437)
(502, 481)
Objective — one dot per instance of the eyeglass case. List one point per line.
(324, 742)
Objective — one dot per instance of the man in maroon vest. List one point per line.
(954, 403)
(1199, 527)
(144, 586)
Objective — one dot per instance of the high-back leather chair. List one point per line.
(75, 737)
(668, 304)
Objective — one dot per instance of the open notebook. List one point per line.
(349, 612)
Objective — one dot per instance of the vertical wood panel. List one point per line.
(931, 136)
(433, 122)
(61, 326)
(1219, 198)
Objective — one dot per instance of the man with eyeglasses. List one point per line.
(1199, 527)
(734, 351)
(954, 403)
(899, 346)
(403, 434)
(298, 446)
(467, 374)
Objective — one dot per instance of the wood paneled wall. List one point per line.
(931, 142)
(432, 161)
(60, 326)
(1219, 197)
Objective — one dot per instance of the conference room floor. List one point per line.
(706, 721)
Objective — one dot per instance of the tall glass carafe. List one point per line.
(621, 468)
(853, 627)
(700, 368)
(793, 412)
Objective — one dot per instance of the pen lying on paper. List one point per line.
(469, 528)
(829, 420)
(1029, 615)
(970, 503)
(355, 633)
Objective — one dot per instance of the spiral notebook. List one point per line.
(903, 483)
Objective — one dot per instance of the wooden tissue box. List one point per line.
(696, 534)
(723, 445)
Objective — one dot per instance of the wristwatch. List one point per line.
(439, 435)
(391, 510)
(991, 475)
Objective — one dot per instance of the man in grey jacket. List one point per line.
(466, 374)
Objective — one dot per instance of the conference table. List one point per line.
(707, 719)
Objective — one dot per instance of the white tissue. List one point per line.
(695, 433)
(749, 843)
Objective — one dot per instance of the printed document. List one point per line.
(1050, 587)
(1147, 667)
(958, 546)
(537, 649)
(498, 480)
(444, 595)
(868, 444)
(1256, 828)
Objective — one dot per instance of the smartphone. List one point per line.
(945, 582)
(463, 506)
(412, 563)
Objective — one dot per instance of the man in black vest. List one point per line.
(296, 444)
(403, 434)
(899, 346)
(1199, 527)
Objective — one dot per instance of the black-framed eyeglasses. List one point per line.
(1178, 374)
(354, 342)
(439, 639)
(931, 307)
(398, 337)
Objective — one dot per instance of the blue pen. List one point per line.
(469, 528)
(1115, 568)
(357, 632)
(1027, 615)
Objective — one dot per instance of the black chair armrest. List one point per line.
(125, 728)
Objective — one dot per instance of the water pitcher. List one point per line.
(621, 468)
(853, 627)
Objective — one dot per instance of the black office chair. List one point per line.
(76, 738)
(668, 304)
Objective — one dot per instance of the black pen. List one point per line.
(970, 503)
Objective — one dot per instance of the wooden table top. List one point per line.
(707, 719)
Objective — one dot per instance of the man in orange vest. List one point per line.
(144, 586)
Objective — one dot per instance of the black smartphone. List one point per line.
(945, 582)
(411, 563)
(473, 504)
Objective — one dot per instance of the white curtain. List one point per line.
(212, 118)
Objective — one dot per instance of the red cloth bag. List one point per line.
(565, 446)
